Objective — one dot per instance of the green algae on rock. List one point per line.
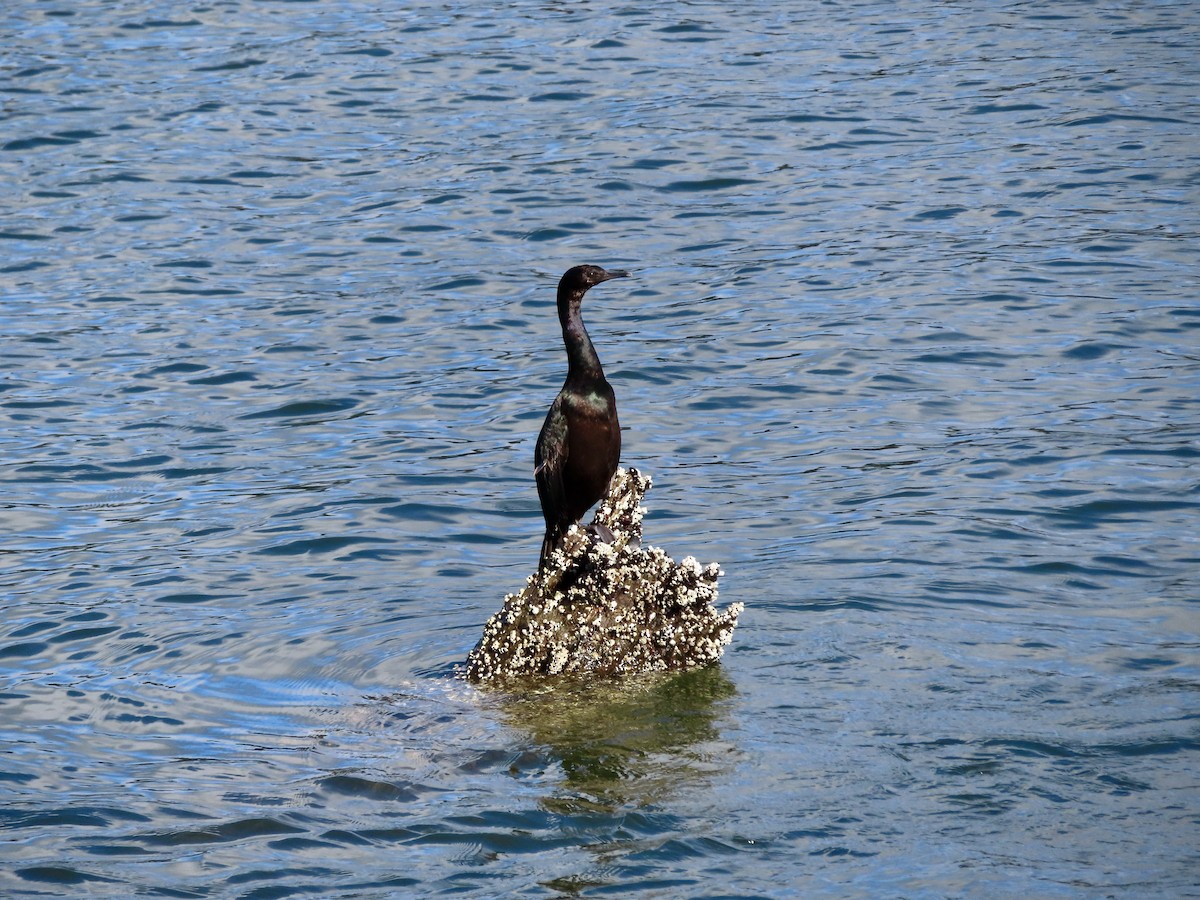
(597, 608)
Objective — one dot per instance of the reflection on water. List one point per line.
(631, 742)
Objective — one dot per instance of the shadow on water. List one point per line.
(630, 742)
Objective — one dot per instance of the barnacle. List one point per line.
(608, 608)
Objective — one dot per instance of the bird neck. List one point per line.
(582, 361)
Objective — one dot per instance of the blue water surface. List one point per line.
(912, 349)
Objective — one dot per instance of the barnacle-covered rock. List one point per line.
(599, 608)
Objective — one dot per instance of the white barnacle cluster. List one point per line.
(602, 608)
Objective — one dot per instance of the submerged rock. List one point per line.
(607, 608)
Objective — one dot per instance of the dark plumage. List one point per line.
(580, 444)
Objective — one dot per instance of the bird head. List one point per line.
(580, 278)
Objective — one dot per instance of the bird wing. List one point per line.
(549, 461)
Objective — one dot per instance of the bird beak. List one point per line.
(615, 273)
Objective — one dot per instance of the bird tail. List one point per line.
(549, 542)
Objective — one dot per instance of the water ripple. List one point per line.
(909, 349)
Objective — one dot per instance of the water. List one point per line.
(911, 351)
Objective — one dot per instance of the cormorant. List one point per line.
(580, 442)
